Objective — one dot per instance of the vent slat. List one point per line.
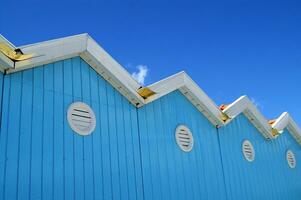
(83, 111)
(83, 116)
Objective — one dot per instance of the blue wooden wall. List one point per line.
(168, 172)
(268, 176)
(1, 92)
(132, 154)
(40, 156)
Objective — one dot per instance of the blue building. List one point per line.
(76, 125)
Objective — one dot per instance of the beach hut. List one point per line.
(74, 124)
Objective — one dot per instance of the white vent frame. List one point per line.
(80, 113)
(185, 146)
(248, 150)
(291, 159)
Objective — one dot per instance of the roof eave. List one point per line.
(286, 121)
(84, 46)
(181, 81)
(244, 105)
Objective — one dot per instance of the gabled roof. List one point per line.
(85, 47)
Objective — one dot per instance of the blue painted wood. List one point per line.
(168, 172)
(1, 91)
(268, 176)
(42, 158)
(132, 154)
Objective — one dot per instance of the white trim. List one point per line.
(245, 106)
(4, 61)
(181, 81)
(286, 121)
(85, 47)
(4, 40)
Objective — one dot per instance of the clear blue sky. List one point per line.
(230, 48)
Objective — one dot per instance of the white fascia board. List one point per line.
(84, 46)
(5, 62)
(286, 121)
(51, 51)
(181, 81)
(4, 40)
(112, 71)
(166, 86)
(244, 105)
(281, 122)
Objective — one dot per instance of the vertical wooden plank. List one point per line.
(87, 140)
(48, 143)
(25, 135)
(58, 131)
(172, 112)
(113, 143)
(4, 132)
(97, 150)
(69, 162)
(127, 136)
(105, 140)
(170, 147)
(137, 153)
(162, 144)
(78, 140)
(1, 91)
(122, 150)
(37, 134)
(154, 138)
(145, 154)
(13, 148)
(200, 148)
(185, 111)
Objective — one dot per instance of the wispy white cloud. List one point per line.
(256, 103)
(141, 74)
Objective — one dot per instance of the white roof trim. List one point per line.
(4, 61)
(244, 105)
(286, 121)
(192, 91)
(85, 47)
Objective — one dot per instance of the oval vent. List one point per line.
(81, 118)
(248, 150)
(290, 158)
(184, 138)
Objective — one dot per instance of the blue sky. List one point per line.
(230, 48)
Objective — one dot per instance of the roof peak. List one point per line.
(84, 46)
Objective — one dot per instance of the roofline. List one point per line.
(181, 81)
(246, 106)
(84, 46)
(285, 121)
